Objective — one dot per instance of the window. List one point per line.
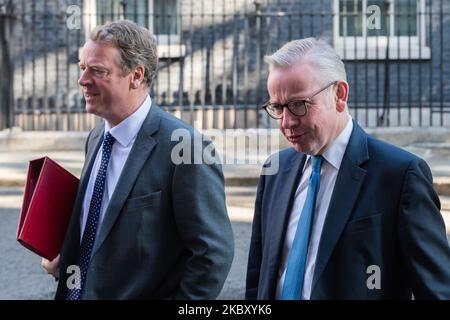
(159, 16)
(363, 29)
(165, 19)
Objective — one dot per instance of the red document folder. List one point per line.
(48, 201)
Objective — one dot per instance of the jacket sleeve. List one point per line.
(422, 235)
(204, 227)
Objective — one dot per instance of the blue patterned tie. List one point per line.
(90, 230)
(295, 272)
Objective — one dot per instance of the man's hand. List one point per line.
(52, 267)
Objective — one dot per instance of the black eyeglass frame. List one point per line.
(305, 102)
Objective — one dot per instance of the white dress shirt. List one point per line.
(330, 167)
(125, 134)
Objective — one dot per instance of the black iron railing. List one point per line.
(212, 72)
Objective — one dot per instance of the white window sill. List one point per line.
(349, 49)
(166, 51)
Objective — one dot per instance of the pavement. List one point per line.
(240, 180)
(18, 147)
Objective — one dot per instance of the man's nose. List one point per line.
(289, 120)
(85, 79)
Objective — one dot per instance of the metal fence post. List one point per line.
(7, 21)
(258, 16)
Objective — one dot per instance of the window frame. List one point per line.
(169, 46)
(90, 21)
(375, 47)
(165, 39)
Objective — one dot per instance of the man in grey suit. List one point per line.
(144, 225)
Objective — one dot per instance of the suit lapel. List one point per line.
(348, 184)
(280, 213)
(139, 154)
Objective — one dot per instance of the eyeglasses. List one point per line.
(297, 107)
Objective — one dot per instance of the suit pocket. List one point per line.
(148, 200)
(363, 224)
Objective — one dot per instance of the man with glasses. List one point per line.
(346, 216)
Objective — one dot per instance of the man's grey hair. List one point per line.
(317, 52)
(136, 45)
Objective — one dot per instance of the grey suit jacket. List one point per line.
(166, 233)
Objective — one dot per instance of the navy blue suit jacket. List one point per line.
(383, 211)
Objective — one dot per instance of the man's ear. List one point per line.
(137, 77)
(341, 95)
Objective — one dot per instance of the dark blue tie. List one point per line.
(295, 272)
(90, 230)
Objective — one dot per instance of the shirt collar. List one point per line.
(127, 130)
(335, 152)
